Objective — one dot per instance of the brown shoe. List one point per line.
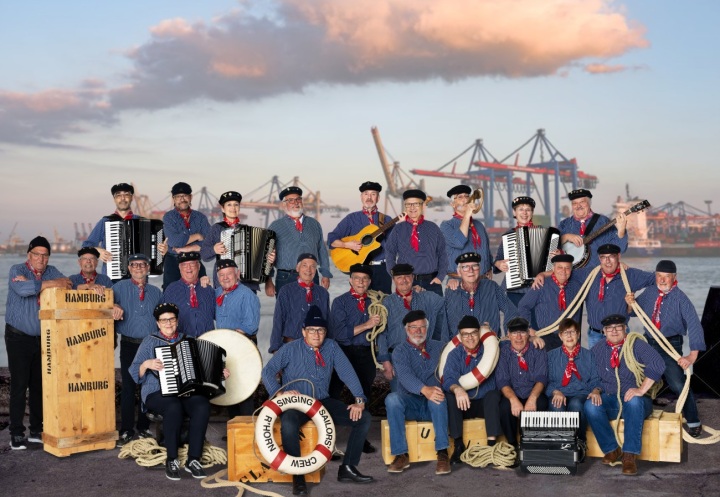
(629, 465)
(400, 463)
(443, 463)
(612, 458)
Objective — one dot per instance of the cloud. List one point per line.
(246, 55)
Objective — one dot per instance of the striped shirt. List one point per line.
(290, 311)
(394, 334)
(177, 235)
(138, 320)
(589, 378)
(509, 374)
(644, 354)
(296, 361)
(21, 311)
(544, 301)
(432, 256)
(192, 321)
(150, 381)
(570, 225)
(352, 224)
(240, 310)
(489, 300)
(100, 279)
(455, 367)
(457, 243)
(344, 316)
(291, 243)
(414, 371)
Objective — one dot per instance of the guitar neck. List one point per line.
(603, 229)
(382, 229)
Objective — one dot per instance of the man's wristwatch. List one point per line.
(359, 400)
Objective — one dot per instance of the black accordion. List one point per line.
(191, 367)
(528, 253)
(133, 236)
(249, 247)
(549, 443)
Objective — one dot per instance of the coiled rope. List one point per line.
(502, 455)
(376, 309)
(148, 453)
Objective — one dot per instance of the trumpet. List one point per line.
(477, 198)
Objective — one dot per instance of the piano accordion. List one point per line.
(528, 253)
(249, 247)
(549, 443)
(133, 236)
(191, 367)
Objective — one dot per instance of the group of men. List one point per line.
(311, 335)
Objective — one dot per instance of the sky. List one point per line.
(227, 94)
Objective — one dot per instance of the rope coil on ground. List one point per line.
(502, 455)
(148, 453)
(376, 309)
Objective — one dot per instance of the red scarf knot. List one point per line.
(127, 217)
(37, 274)
(370, 213)
(474, 235)
(193, 293)
(319, 361)
(141, 287)
(583, 223)
(231, 223)
(615, 355)
(470, 354)
(562, 303)
(420, 348)
(91, 279)
(415, 236)
(220, 298)
(298, 223)
(360, 299)
(406, 298)
(571, 367)
(658, 304)
(521, 357)
(606, 279)
(308, 290)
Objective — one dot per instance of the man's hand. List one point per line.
(558, 399)
(688, 360)
(105, 255)
(117, 312)
(531, 404)
(269, 288)
(516, 407)
(576, 240)
(388, 371)
(356, 411)
(325, 282)
(452, 284)
(595, 398)
(353, 245)
(205, 281)
(436, 281)
(433, 394)
(463, 400)
(537, 342)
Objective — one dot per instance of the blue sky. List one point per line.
(96, 93)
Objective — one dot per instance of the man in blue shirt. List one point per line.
(88, 278)
(193, 296)
(22, 338)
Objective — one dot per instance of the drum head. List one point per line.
(244, 362)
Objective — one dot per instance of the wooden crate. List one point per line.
(78, 371)
(421, 438)
(247, 466)
(661, 438)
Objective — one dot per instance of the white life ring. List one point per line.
(485, 367)
(277, 458)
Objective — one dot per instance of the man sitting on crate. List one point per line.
(419, 396)
(314, 358)
(637, 366)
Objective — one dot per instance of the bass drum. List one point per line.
(244, 362)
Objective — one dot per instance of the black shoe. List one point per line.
(347, 473)
(172, 469)
(457, 452)
(299, 485)
(18, 442)
(35, 437)
(194, 467)
(695, 431)
(125, 437)
(368, 448)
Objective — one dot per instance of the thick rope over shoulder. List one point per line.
(376, 309)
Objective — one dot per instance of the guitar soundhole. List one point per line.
(367, 240)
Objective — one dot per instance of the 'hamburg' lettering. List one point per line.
(84, 337)
(48, 353)
(84, 297)
(87, 386)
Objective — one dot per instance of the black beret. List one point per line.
(467, 257)
(161, 309)
(361, 268)
(306, 255)
(315, 318)
(88, 250)
(402, 269)
(608, 248)
(372, 186)
(414, 316)
(181, 187)
(523, 200)
(666, 266)
(414, 194)
(39, 241)
(138, 257)
(468, 322)
(614, 319)
(563, 258)
(518, 324)
(228, 196)
(579, 193)
(122, 187)
(291, 190)
(223, 263)
(188, 257)
(458, 190)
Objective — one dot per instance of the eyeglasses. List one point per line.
(567, 332)
(182, 196)
(516, 332)
(123, 194)
(617, 327)
(316, 331)
(293, 201)
(470, 269)
(137, 265)
(167, 321)
(410, 205)
(608, 257)
(470, 334)
(417, 328)
(39, 256)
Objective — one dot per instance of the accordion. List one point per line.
(549, 443)
(191, 367)
(133, 236)
(527, 251)
(249, 247)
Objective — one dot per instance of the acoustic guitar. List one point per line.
(368, 236)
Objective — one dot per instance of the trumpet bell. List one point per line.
(477, 199)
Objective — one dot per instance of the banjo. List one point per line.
(581, 254)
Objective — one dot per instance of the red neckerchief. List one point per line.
(308, 289)
(89, 280)
(471, 297)
(615, 356)
(220, 298)
(141, 286)
(420, 348)
(414, 236)
(360, 299)
(370, 213)
(582, 223)
(476, 240)
(172, 339)
(521, 360)
(128, 217)
(231, 223)
(186, 219)
(471, 353)
(319, 361)
(571, 367)
(605, 279)
(406, 298)
(298, 223)
(37, 274)
(658, 303)
(562, 303)
(193, 293)
(528, 225)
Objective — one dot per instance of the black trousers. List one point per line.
(488, 407)
(360, 357)
(509, 422)
(247, 406)
(127, 392)
(25, 363)
(173, 411)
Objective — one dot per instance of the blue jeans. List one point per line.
(594, 337)
(574, 404)
(414, 408)
(634, 413)
(674, 375)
